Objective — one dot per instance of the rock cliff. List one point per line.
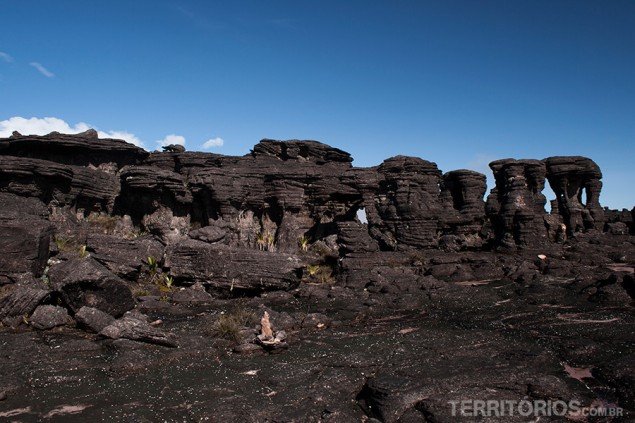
(105, 245)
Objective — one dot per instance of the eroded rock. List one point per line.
(49, 316)
(85, 282)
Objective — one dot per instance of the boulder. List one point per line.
(25, 236)
(210, 234)
(408, 203)
(137, 330)
(21, 301)
(193, 294)
(93, 319)
(24, 246)
(49, 316)
(124, 257)
(232, 269)
(462, 193)
(174, 148)
(85, 282)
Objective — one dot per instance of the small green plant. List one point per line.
(152, 274)
(169, 281)
(82, 251)
(304, 243)
(261, 241)
(153, 265)
(312, 269)
(229, 325)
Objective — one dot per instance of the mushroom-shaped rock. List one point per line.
(571, 177)
(516, 204)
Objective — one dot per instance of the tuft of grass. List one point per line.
(266, 241)
(141, 293)
(152, 274)
(65, 244)
(229, 325)
(322, 274)
(70, 245)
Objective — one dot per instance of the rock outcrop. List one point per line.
(383, 293)
(84, 282)
(516, 204)
(576, 182)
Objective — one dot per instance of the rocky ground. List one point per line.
(182, 286)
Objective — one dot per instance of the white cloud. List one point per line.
(213, 143)
(121, 135)
(172, 139)
(37, 126)
(43, 126)
(42, 69)
(6, 57)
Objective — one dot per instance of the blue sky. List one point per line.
(460, 83)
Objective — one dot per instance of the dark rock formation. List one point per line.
(49, 316)
(435, 296)
(85, 282)
(571, 178)
(123, 257)
(25, 236)
(174, 148)
(407, 203)
(19, 301)
(93, 319)
(516, 204)
(232, 269)
(463, 190)
(135, 329)
(81, 149)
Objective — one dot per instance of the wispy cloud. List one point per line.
(42, 69)
(6, 57)
(186, 12)
(172, 139)
(199, 19)
(213, 143)
(43, 126)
